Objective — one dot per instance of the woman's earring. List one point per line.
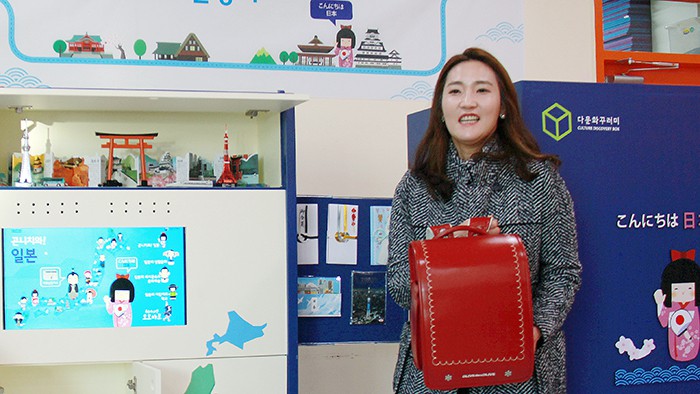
(442, 119)
(502, 116)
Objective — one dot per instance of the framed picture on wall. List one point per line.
(319, 296)
(368, 297)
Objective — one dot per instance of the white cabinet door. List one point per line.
(146, 379)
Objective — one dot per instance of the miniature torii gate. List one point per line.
(140, 144)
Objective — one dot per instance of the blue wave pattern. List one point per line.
(418, 91)
(657, 375)
(19, 78)
(504, 31)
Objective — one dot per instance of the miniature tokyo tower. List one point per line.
(229, 177)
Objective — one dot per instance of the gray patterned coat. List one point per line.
(540, 211)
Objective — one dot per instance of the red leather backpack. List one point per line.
(471, 310)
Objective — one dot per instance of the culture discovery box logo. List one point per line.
(558, 122)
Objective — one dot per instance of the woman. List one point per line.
(477, 158)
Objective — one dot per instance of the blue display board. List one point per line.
(57, 278)
(343, 326)
(630, 159)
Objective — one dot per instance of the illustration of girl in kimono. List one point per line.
(344, 44)
(118, 303)
(676, 305)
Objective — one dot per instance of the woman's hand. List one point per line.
(491, 227)
(536, 334)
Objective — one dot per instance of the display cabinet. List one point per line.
(238, 255)
(669, 35)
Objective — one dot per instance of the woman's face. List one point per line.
(471, 104)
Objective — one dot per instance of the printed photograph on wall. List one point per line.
(318, 296)
(307, 234)
(341, 236)
(93, 277)
(379, 230)
(368, 298)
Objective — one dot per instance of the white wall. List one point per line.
(559, 46)
(352, 148)
(560, 40)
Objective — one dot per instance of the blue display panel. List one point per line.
(56, 278)
(341, 328)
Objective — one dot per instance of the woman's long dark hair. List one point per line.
(516, 140)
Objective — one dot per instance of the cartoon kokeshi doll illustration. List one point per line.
(35, 298)
(73, 280)
(344, 44)
(676, 305)
(118, 303)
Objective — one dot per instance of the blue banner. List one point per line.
(630, 160)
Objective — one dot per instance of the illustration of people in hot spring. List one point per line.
(118, 303)
(344, 46)
(676, 305)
